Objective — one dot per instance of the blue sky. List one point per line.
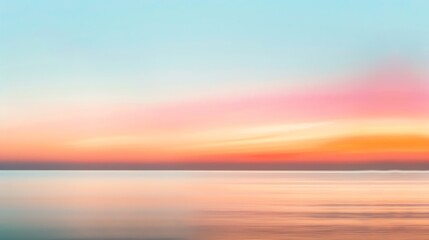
(151, 50)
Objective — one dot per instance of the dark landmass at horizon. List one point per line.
(223, 166)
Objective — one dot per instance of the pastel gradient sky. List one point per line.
(166, 82)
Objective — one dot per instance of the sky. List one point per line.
(170, 82)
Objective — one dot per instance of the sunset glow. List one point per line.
(385, 120)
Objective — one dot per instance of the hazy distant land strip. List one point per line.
(293, 166)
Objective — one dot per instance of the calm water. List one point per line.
(171, 205)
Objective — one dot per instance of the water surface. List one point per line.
(230, 205)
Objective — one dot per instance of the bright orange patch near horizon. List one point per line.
(315, 142)
(361, 148)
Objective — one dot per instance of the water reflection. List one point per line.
(213, 205)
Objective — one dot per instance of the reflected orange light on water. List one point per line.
(198, 205)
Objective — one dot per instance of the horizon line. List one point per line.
(221, 166)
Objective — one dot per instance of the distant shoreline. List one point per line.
(221, 166)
